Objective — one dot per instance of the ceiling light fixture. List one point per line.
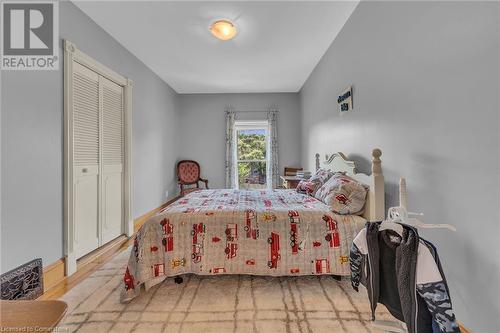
(223, 29)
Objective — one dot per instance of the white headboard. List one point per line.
(375, 202)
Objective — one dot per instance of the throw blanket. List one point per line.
(258, 232)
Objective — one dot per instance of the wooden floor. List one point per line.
(88, 265)
(92, 261)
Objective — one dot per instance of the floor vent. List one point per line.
(23, 282)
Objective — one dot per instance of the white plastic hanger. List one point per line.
(391, 222)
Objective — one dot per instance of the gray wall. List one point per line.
(202, 124)
(426, 83)
(32, 140)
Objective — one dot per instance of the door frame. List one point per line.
(73, 54)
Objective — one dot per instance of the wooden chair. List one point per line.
(290, 171)
(188, 173)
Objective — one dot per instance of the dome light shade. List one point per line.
(223, 29)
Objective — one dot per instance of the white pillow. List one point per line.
(343, 194)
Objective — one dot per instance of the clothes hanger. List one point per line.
(391, 223)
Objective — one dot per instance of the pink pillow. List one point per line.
(311, 185)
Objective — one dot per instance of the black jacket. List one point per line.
(386, 263)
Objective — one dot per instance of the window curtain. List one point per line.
(230, 147)
(272, 166)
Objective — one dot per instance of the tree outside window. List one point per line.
(251, 151)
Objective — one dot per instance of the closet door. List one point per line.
(97, 165)
(112, 115)
(85, 159)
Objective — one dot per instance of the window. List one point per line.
(251, 154)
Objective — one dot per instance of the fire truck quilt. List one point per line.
(258, 232)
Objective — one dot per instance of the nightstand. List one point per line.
(290, 182)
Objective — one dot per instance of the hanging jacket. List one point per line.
(404, 273)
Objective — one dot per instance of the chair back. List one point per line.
(188, 172)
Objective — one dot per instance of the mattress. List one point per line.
(257, 232)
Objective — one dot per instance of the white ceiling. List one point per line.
(277, 46)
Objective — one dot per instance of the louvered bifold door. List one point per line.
(85, 159)
(112, 156)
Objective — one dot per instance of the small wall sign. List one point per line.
(345, 100)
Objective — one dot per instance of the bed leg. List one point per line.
(178, 280)
(337, 277)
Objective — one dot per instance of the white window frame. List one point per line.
(250, 125)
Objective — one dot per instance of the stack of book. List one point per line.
(304, 174)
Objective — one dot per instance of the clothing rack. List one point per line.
(401, 214)
(396, 215)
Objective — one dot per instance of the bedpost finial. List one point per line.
(376, 162)
(317, 161)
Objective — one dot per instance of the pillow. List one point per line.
(311, 185)
(343, 194)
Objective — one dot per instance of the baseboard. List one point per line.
(103, 253)
(53, 274)
(138, 222)
(57, 284)
(61, 284)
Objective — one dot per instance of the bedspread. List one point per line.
(259, 232)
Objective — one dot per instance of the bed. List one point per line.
(257, 232)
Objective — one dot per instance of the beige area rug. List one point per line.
(218, 304)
